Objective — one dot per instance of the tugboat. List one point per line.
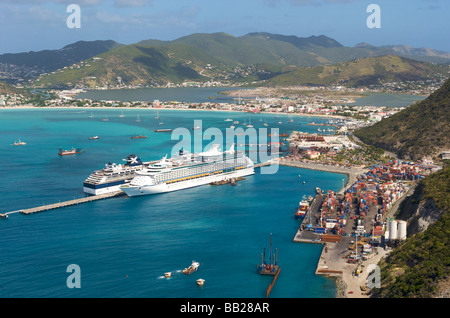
(72, 151)
(138, 137)
(302, 209)
(191, 269)
(270, 268)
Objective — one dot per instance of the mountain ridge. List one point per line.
(221, 56)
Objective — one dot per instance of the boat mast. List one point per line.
(270, 250)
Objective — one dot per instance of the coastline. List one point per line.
(162, 109)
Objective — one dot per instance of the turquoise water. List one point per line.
(125, 245)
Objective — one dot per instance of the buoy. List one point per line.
(200, 282)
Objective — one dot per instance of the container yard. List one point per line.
(357, 226)
(361, 209)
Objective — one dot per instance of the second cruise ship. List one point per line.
(187, 170)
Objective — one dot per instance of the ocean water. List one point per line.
(124, 245)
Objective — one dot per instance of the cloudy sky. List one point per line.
(33, 25)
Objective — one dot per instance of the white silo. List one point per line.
(402, 230)
(393, 230)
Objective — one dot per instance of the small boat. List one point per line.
(105, 119)
(196, 127)
(72, 151)
(121, 114)
(93, 137)
(19, 143)
(291, 120)
(138, 119)
(233, 182)
(228, 119)
(168, 274)
(191, 269)
(318, 191)
(163, 130)
(232, 126)
(235, 122)
(200, 282)
(138, 137)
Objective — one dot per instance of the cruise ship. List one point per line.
(112, 176)
(186, 170)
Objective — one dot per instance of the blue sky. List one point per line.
(41, 24)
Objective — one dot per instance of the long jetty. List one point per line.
(64, 204)
(269, 289)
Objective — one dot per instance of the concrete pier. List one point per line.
(65, 203)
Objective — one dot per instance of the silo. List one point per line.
(402, 230)
(393, 230)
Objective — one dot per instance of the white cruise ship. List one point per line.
(110, 178)
(187, 170)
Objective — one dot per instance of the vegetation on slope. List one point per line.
(422, 129)
(50, 60)
(133, 64)
(422, 262)
(360, 72)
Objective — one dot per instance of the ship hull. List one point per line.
(133, 191)
(98, 191)
(104, 188)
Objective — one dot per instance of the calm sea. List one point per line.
(125, 245)
(387, 100)
(181, 94)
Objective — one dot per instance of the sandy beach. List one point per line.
(167, 108)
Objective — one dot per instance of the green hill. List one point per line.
(286, 60)
(421, 264)
(133, 64)
(51, 60)
(9, 89)
(360, 72)
(422, 129)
